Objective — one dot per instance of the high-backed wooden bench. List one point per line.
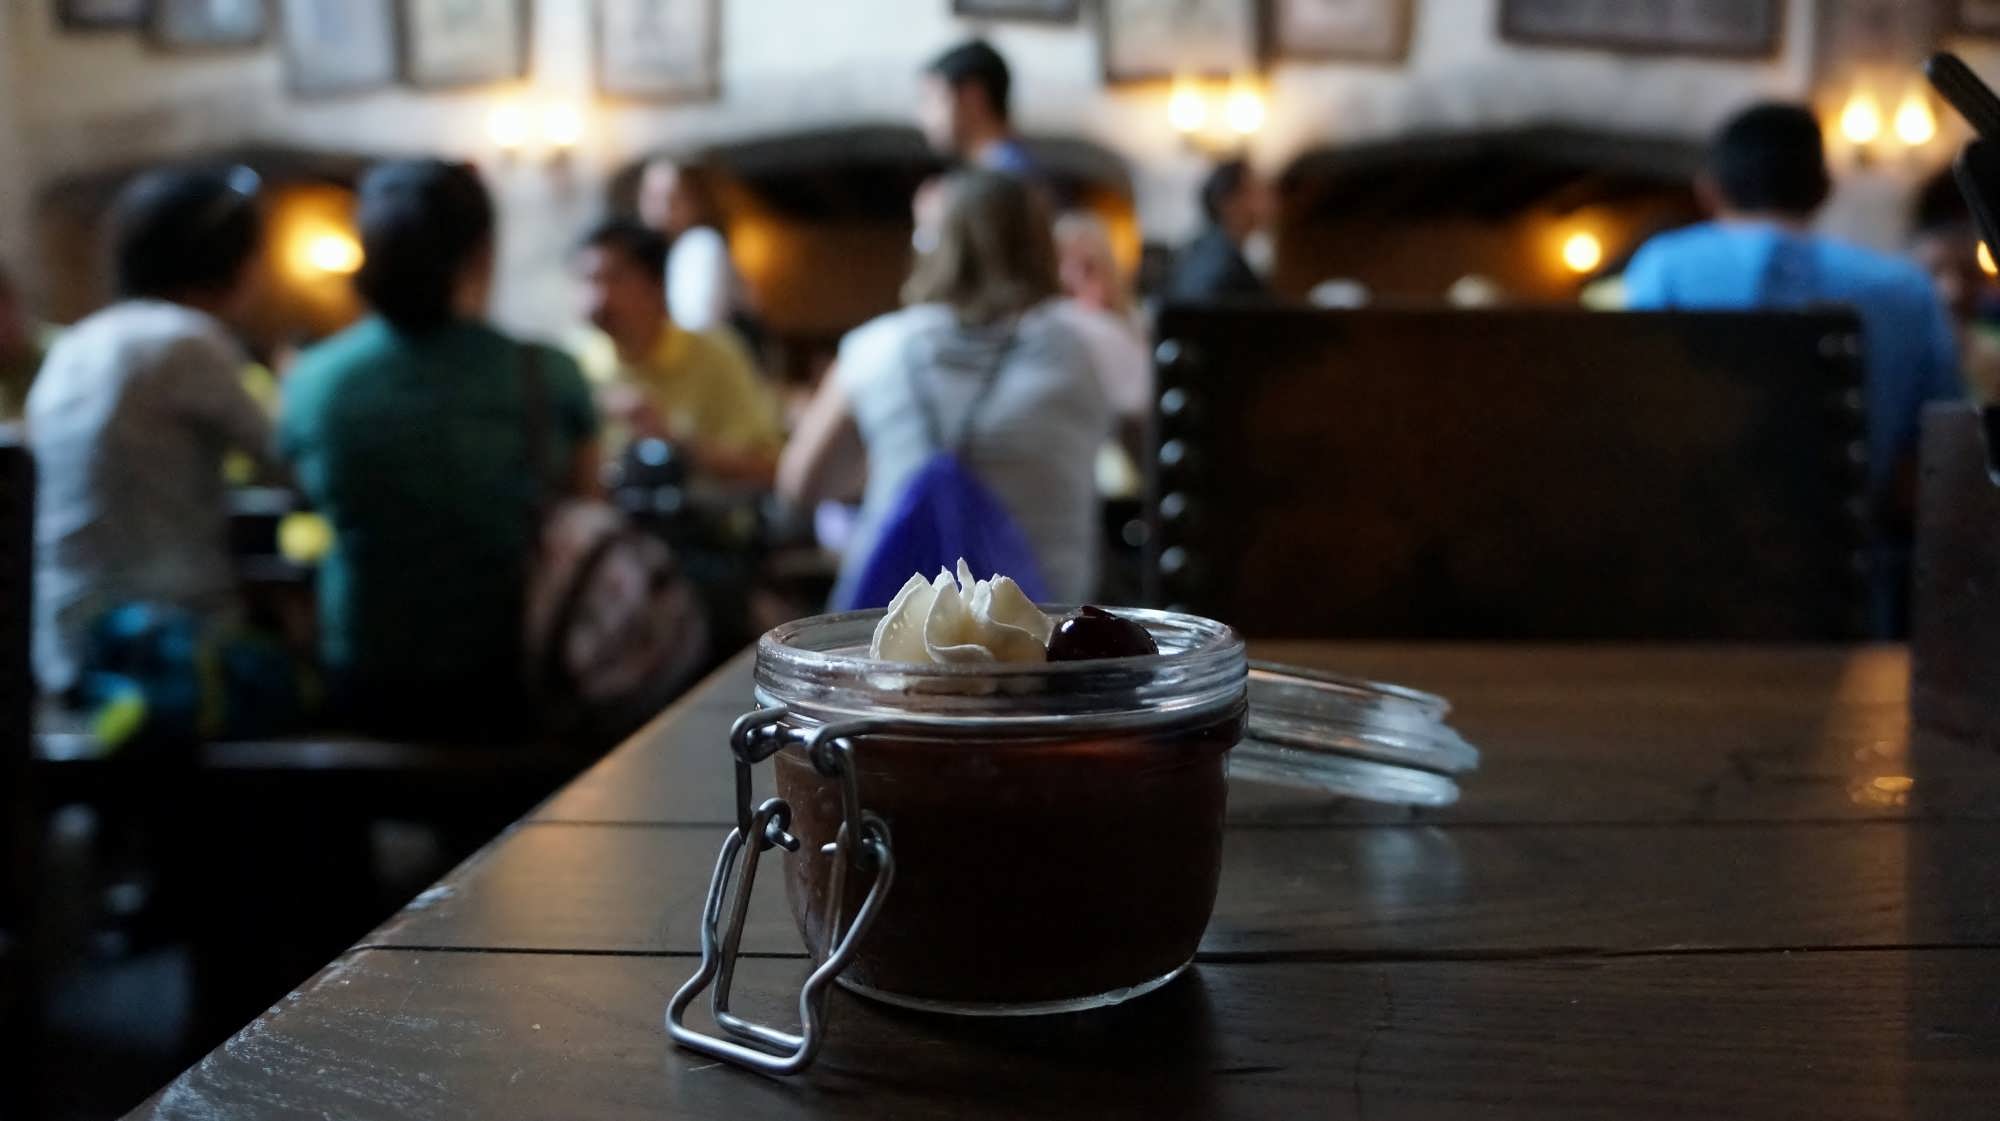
(1554, 474)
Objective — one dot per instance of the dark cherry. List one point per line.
(1092, 632)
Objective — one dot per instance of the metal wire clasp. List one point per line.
(863, 842)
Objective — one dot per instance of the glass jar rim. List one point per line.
(819, 667)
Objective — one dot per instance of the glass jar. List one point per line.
(1021, 839)
(1057, 827)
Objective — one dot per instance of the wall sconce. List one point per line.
(507, 126)
(1243, 109)
(1214, 116)
(1187, 108)
(1867, 132)
(562, 125)
(1986, 264)
(1582, 252)
(1861, 119)
(1915, 123)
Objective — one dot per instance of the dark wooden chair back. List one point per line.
(1532, 474)
(20, 975)
(1955, 674)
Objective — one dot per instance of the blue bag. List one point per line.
(944, 512)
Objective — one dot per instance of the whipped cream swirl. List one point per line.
(961, 620)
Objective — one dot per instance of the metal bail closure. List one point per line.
(863, 841)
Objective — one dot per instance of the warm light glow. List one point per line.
(1187, 109)
(1582, 252)
(334, 252)
(1861, 118)
(1986, 264)
(562, 124)
(1915, 124)
(507, 126)
(1244, 110)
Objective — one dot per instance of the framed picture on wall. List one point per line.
(448, 43)
(1043, 11)
(337, 46)
(1719, 28)
(1361, 30)
(1150, 40)
(660, 50)
(199, 25)
(1980, 18)
(100, 15)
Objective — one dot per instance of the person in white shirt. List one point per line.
(133, 412)
(704, 290)
(985, 355)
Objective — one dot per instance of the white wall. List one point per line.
(100, 100)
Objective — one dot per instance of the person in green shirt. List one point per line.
(21, 350)
(410, 431)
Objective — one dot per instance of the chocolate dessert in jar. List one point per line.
(992, 810)
(1057, 825)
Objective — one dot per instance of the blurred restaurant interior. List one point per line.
(1413, 393)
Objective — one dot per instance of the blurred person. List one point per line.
(22, 347)
(132, 414)
(659, 379)
(965, 111)
(983, 365)
(414, 432)
(704, 291)
(1088, 264)
(1766, 179)
(1239, 207)
(1101, 312)
(1944, 243)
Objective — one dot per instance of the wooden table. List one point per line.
(1688, 882)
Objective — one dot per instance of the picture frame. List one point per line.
(1340, 30)
(1976, 19)
(205, 25)
(453, 44)
(336, 47)
(1025, 11)
(1157, 40)
(1855, 35)
(1741, 29)
(659, 50)
(101, 15)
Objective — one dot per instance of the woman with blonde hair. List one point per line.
(983, 365)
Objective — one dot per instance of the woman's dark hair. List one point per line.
(995, 255)
(1770, 159)
(422, 222)
(179, 230)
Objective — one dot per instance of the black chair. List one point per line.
(1546, 474)
(20, 835)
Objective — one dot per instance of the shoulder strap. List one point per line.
(989, 376)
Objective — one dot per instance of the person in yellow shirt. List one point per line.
(695, 388)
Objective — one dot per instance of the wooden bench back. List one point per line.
(1546, 474)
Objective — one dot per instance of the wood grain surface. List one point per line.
(1348, 892)
(1686, 882)
(1854, 1035)
(1569, 734)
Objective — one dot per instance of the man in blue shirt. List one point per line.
(1766, 178)
(965, 111)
